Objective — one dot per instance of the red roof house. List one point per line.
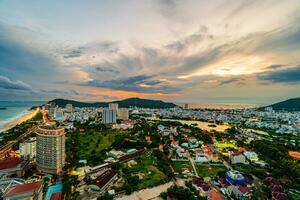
(26, 191)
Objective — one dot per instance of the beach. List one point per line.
(18, 120)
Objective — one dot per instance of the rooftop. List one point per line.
(10, 162)
(24, 188)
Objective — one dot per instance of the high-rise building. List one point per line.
(59, 115)
(123, 113)
(28, 148)
(113, 106)
(50, 150)
(186, 106)
(69, 107)
(109, 116)
(52, 110)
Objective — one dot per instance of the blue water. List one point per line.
(52, 190)
(15, 109)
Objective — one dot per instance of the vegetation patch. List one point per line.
(224, 145)
(144, 174)
(206, 170)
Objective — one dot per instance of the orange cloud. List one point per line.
(98, 94)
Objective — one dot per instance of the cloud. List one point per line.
(168, 8)
(232, 80)
(73, 54)
(6, 83)
(139, 83)
(288, 75)
(89, 49)
(103, 69)
(274, 66)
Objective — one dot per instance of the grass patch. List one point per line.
(147, 167)
(224, 145)
(93, 143)
(250, 169)
(205, 170)
(180, 165)
(293, 196)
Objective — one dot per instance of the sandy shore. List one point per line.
(30, 114)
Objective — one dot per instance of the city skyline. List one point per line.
(179, 51)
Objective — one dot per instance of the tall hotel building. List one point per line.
(50, 150)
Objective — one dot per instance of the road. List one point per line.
(193, 164)
(4, 150)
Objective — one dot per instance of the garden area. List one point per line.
(89, 146)
(143, 173)
(206, 170)
(180, 166)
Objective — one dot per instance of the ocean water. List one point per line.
(15, 109)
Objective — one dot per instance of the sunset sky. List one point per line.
(175, 50)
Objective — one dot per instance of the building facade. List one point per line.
(28, 148)
(69, 108)
(109, 116)
(50, 150)
(113, 106)
(123, 114)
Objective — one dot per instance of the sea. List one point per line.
(14, 110)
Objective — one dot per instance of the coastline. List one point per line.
(18, 120)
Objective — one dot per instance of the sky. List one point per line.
(219, 51)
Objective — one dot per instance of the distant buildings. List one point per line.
(186, 106)
(109, 116)
(28, 148)
(69, 108)
(50, 152)
(59, 115)
(123, 114)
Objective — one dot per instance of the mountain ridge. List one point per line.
(292, 104)
(126, 103)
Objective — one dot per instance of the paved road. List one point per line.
(193, 164)
(7, 147)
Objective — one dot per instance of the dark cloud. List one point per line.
(6, 83)
(168, 8)
(23, 61)
(231, 80)
(92, 48)
(136, 83)
(288, 75)
(103, 69)
(73, 54)
(59, 92)
(274, 66)
(194, 39)
(63, 82)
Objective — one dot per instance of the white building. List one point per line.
(237, 158)
(252, 156)
(113, 106)
(109, 116)
(59, 115)
(28, 148)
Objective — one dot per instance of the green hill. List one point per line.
(287, 105)
(126, 103)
